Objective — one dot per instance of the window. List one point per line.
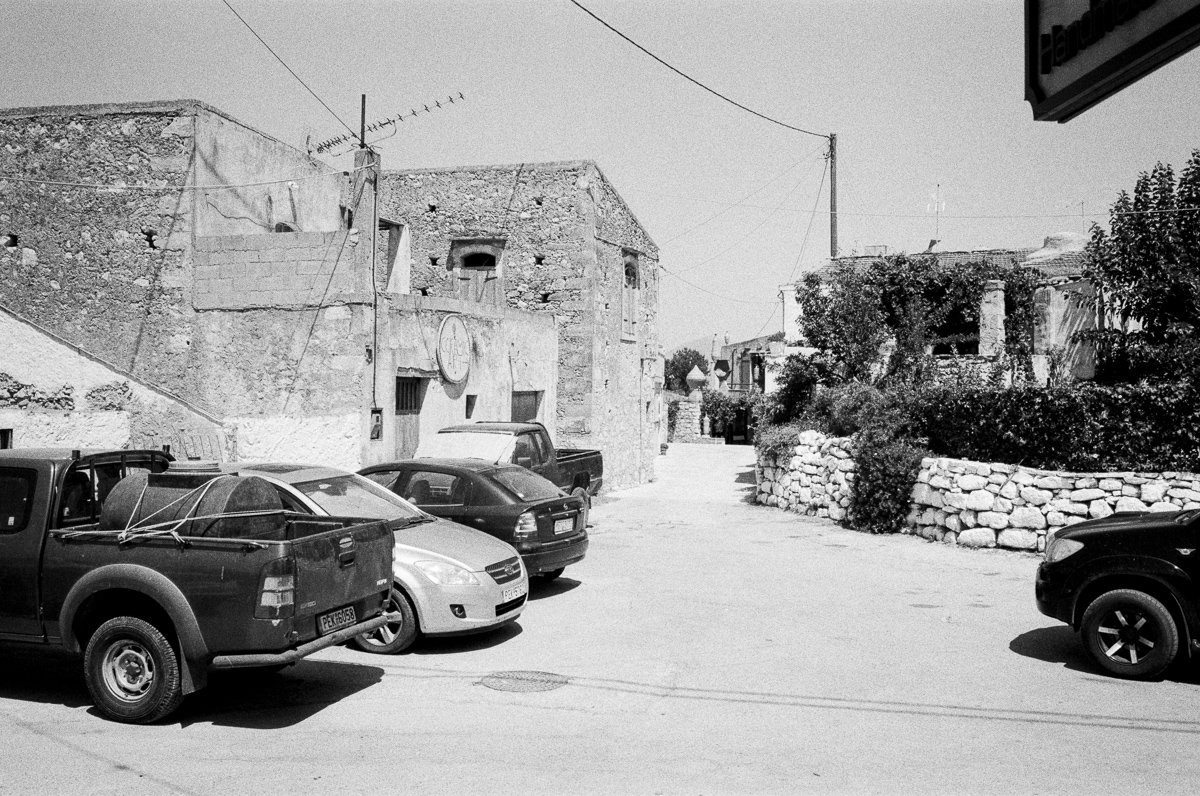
(525, 405)
(629, 297)
(470, 405)
(410, 393)
(427, 488)
(16, 498)
(476, 264)
(6, 438)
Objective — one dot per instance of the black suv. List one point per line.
(1128, 583)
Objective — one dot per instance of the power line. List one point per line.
(767, 322)
(668, 272)
(738, 203)
(809, 227)
(692, 79)
(753, 229)
(285, 66)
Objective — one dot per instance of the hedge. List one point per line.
(1082, 427)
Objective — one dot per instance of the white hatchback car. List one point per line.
(449, 579)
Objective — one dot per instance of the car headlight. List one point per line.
(445, 574)
(1058, 549)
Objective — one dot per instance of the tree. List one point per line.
(680, 365)
(1146, 277)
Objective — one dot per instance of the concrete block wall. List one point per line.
(283, 270)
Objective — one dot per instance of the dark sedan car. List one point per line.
(546, 525)
(1128, 584)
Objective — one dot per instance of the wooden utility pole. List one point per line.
(833, 247)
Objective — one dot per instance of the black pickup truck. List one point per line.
(577, 471)
(158, 573)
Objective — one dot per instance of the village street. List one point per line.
(706, 645)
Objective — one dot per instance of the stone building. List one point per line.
(212, 288)
(556, 240)
(1060, 305)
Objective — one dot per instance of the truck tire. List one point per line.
(1130, 634)
(132, 671)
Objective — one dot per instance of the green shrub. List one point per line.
(1081, 426)
(778, 440)
(885, 473)
(843, 410)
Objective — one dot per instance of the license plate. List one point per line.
(564, 526)
(512, 593)
(334, 620)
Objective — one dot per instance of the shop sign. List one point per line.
(454, 349)
(1078, 52)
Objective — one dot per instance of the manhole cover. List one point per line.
(524, 681)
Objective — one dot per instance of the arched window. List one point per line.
(475, 262)
(629, 296)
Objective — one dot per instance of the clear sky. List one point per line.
(920, 94)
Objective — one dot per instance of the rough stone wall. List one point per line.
(565, 230)
(972, 503)
(54, 394)
(814, 479)
(282, 270)
(290, 383)
(104, 269)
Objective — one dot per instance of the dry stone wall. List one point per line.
(971, 503)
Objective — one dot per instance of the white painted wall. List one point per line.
(331, 440)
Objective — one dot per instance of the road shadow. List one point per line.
(540, 588)
(260, 700)
(746, 477)
(42, 674)
(1061, 645)
(448, 645)
(1058, 644)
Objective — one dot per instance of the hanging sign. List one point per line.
(1079, 52)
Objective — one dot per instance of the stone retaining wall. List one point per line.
(972, 503)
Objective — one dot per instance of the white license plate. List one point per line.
(512, 593)
(564, 526)
(334, 620)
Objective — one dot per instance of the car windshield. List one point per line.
(355, 496)
(525, 484)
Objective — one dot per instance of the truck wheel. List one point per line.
(132, 671)
(587, 503)
(1130, 634)
(393, 637)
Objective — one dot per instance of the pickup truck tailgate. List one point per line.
(340, 577)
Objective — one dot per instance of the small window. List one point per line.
(16, 498)
(410, 393)
(629, 296)
(476, 264)
(6, 438)
(525, 405)
(471, 399)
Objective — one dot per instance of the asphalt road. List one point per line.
(706, 645)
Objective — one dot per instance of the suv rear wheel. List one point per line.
(1130, 634)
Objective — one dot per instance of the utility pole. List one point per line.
(362, 129)
(833, 247)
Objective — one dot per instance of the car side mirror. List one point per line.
(525, 461)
